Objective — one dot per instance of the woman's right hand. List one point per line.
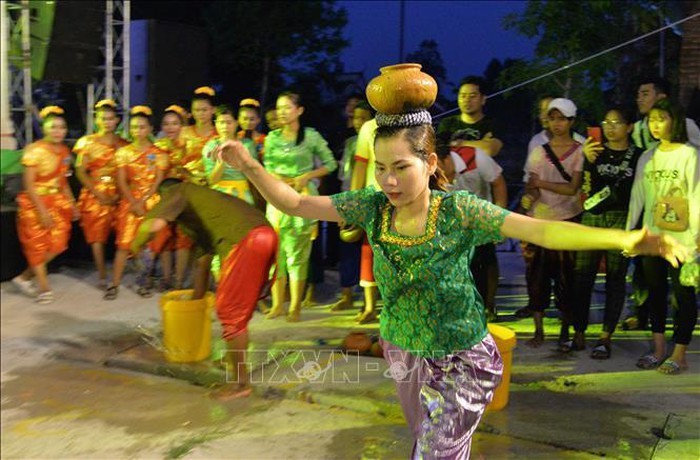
(234, 154)
(591, 150)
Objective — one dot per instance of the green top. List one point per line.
(286, 159)
(431, 305)
(228, 173)
(290, 160)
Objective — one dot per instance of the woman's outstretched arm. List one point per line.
(558, 235)
(275, 191)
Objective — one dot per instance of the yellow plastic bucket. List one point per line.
(186, 326)
(505, 340)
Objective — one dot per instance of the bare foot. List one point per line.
(342, 304)
(367, 317)
(308, 303)
(536, 341)
(229, 392)
(274, 313)
(294, 316)
(263, 307)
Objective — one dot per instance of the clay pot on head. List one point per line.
(357, 341)
(401, 88)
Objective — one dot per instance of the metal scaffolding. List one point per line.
(113, 78)
(16, 20)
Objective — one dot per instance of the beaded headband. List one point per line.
(208, 90)
(404, 120)
(141, 110)
(50, 110)
(177, 109)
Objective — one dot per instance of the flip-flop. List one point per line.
(111, 293)
(670, 367)
(601, 351)
(648, 362)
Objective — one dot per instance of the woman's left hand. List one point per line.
(655, 244)
(300, 182)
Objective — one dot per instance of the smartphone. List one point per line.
(596, 133)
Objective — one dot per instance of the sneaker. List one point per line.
(26, 287)
(44, 298)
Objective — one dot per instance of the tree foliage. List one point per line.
(265, 42)
(570, 31)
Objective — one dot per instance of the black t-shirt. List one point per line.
(215, 221)
(453, 128)
(615, 169)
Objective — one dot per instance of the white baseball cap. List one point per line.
(565, 106)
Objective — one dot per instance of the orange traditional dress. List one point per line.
(98, 158)
(171, 238)
(141, 170)
(52, 162)
(192, 161)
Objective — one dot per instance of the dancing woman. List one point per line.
(433, 324)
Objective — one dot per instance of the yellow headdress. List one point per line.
(177, 109)
(208, 90)
(249, 102)
(50, 110)
(106, 103)
(141, 110)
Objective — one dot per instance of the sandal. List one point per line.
(648, 362)
(601, 351)
(670, 367)
(44, 298)
(111, 293)
(145, 292)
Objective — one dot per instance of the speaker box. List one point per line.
(66, 37)
(77, 35)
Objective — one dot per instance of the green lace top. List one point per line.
(431, 305)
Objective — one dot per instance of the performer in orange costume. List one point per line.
(171, 238)
(141, 166)
(46, 205)
(97, 172)
(196, 136)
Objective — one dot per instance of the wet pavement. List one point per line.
(86, 378)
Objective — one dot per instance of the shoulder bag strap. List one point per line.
(555, 161)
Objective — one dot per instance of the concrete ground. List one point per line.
(86, 378)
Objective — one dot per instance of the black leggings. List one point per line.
(656, 270)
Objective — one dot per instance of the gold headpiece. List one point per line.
(50, 110)
(249, 102)
(106, 103)
(141, 110)
(208, 90)
(177, 109)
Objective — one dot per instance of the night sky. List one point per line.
(469, 34)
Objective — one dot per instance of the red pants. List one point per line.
(244, 274)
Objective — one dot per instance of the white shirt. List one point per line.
(476, 176)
